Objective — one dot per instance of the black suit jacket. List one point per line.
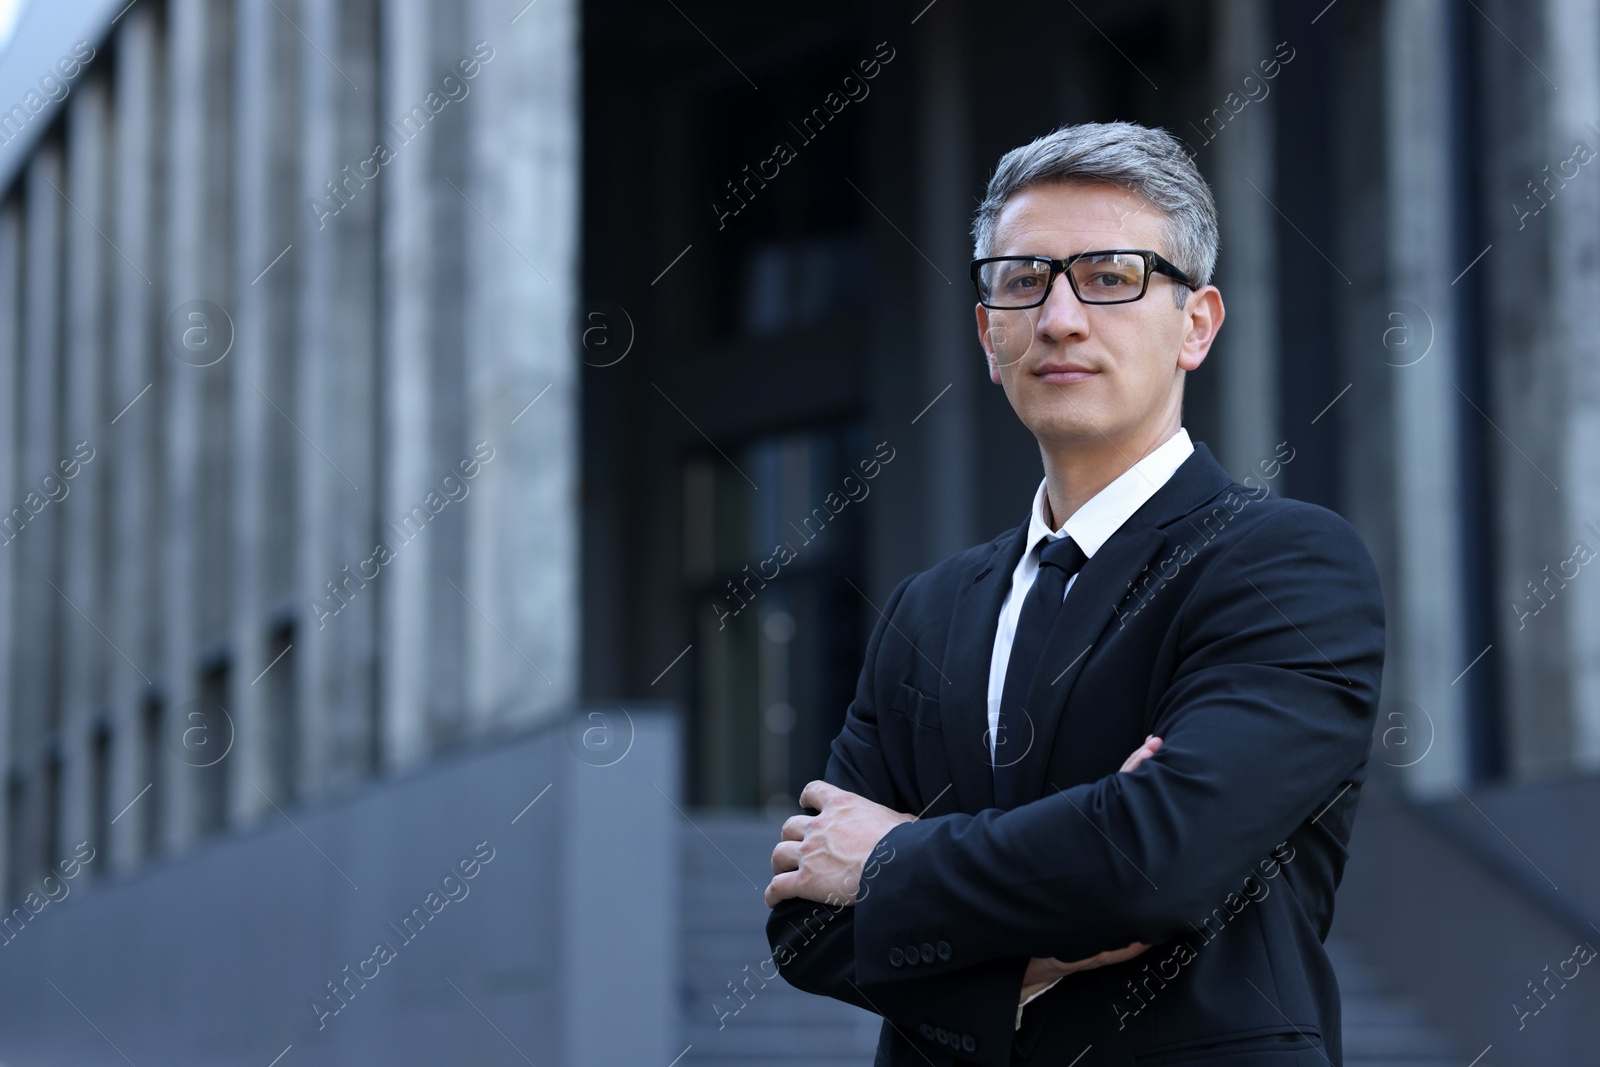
(1243, 628)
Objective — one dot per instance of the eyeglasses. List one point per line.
(1111, 276)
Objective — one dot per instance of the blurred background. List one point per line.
(425, 425)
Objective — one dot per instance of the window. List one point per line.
(775, 617)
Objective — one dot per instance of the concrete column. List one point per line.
(193, 325)
(450, 216)
(136, 401)
(10, 484)
(593, 888)
(1425, 613)
(521, 264)
(1366, 426)
(38, 543)
(84, 651)
(947, 350)
(263, 223)
(256, 138)
(334, 404)
(1530, 387)
(275, 289)
(204, 747)
(1574, 117)
(1238, 160)
(407, 464)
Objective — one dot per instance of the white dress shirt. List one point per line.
(1090, 526)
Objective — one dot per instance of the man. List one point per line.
(1091, 800)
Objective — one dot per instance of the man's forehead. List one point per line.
(1073, 211)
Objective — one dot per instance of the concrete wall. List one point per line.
(563, 944)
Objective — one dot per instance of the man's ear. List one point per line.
(987, 342)
(1203, 314)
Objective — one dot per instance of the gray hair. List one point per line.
(1150, 163)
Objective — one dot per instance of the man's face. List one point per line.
(1094, 374)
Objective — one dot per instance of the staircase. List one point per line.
(1380, 1029)
(768, 1023)
(726, 864)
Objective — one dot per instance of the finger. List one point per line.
(795, 826)
(782, 887)
(1103, 959)
(1123, 954)
(817, 793)
(786, 857)
(1134, 759)
(1141, 753)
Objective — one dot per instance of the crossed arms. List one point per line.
(1269, 707)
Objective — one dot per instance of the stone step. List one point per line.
(1380, 1028)
(723, 929)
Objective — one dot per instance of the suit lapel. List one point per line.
(1098, 589)
(964, 689)
(1105, 581)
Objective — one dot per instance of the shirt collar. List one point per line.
(1102, 514)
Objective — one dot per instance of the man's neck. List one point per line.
(1074, 474)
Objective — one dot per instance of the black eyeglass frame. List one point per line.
(1154, 263)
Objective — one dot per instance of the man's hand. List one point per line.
(820, 856)
(1042, 971)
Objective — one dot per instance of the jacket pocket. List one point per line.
(914, 704)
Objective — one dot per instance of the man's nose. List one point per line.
(1062, 314)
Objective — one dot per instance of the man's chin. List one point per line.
(1066, 430)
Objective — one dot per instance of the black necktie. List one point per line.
(1059, 560)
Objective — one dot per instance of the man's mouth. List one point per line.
(1063, 372)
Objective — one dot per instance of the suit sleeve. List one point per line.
(1269, 709)
(815, 945)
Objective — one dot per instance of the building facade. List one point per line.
(381, 378)
(266, 271)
